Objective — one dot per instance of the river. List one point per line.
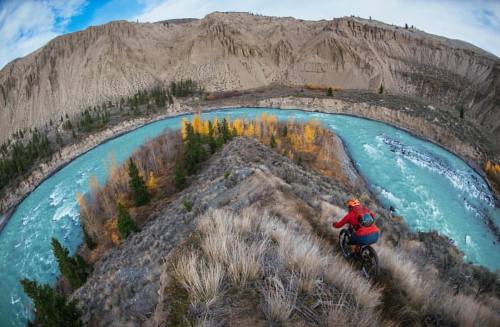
(430, 187)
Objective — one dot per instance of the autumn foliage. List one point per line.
(493, 172)
(304, 142)
(155, 161)
(165, 163)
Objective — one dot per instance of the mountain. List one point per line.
(234, 51)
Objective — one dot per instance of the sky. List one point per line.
(26, 25)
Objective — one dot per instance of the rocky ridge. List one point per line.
(126, 280)
(128, 285)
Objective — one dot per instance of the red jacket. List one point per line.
(352, 218)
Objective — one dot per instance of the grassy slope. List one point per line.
(276, 256)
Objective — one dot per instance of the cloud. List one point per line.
(476, 22)
(27, 25)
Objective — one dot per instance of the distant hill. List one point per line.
(234, 51)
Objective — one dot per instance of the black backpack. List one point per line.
(366, 220)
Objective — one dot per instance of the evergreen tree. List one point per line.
(51, 308)
(137, 184)
(125, 224)
(179, 176)
(329, 92)
(273, 141)
(224, 131)
(381, 89)
(194, 151)
(74, 269)
(284, 131)
(88, 239)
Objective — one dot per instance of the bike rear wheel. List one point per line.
(345, 243)
(369, 262)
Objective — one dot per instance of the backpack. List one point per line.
(366, 220)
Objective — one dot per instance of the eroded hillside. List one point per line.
(228, 51)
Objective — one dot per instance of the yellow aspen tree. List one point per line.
(264, 117)
(250, 129)
(258, 130)
(206, 128)
(184, 124)
(151, 183)
(238, 126)
(197, 125)
(215, 125)
(488, 166)
(497, 169)
(309, 135)
(81, 202)
(94, 185)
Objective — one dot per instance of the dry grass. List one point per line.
(203, 281)
(279, 301)
(420, 296)
(277, 260)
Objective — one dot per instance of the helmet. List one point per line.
(352, 202)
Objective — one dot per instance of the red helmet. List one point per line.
(352, 202)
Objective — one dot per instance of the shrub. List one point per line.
(51, 309)
(179, 176)
(188, 205)
(125, 224)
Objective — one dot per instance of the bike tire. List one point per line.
(369, 262)
(344, 243)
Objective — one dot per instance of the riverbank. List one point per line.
(14, 196)
(407, 117)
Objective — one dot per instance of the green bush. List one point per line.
(125, 224)
(188, 205)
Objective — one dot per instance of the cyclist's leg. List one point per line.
(356, 242)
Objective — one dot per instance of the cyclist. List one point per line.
(362, 221)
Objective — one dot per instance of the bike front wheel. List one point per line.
(345, 244)
(369, 262)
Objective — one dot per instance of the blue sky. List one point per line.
(26, 25)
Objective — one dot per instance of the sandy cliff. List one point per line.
(226, 51)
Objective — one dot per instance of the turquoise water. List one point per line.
(428, 186)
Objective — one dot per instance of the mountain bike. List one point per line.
(365, 256)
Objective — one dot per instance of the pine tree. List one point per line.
(329, 92)
(273, 141)
(179, 176)
(51, 308)
(284, 132)
(125, 224)
(88, 239)
(137, 184)
(74, 269)
(194, 152)
(381, 89)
